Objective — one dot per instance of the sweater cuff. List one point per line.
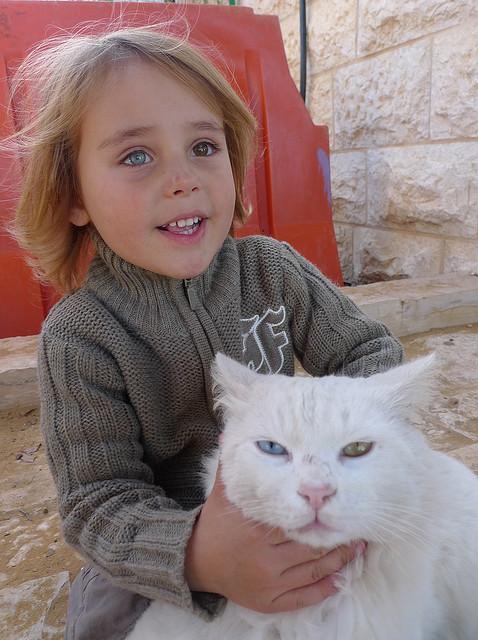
(208, 605)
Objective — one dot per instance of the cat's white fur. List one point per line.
(418, 509)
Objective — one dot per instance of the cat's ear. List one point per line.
(409, 386)
(232, 382)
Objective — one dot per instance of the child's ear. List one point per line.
(79, 216)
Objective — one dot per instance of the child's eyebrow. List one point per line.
(124, 134)
(207, 125)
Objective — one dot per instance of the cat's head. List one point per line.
(327, 459)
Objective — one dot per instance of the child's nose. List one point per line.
(180, 182)
(316, 494)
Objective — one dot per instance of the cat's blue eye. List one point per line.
(357, 449)
(271, 447)
(137, 158)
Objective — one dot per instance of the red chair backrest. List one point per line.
(289, 184)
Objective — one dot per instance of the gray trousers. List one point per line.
(99, 610)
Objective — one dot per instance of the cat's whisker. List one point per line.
(412, 526)
(411, 533)
(390, 507)
(412, 540)
(405, 510)
(402, 525)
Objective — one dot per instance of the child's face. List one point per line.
(152, 154)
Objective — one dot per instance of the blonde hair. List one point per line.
(63, 72)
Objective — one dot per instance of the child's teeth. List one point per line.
(185, 222)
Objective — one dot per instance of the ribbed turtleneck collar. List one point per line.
(110, 270)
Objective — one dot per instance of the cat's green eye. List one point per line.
(356, 449)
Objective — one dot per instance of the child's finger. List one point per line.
(305, 596)
(312, 571)
(292, 554)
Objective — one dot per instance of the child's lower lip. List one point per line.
(184, 238)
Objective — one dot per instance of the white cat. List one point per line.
(418, 509)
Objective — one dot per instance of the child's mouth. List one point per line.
(184, 227)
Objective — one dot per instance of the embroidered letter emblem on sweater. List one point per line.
(262, 344)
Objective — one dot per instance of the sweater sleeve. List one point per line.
(111, 511)
(331, 335)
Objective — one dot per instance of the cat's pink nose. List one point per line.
(316, 494)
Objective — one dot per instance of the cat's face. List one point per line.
(328, 460)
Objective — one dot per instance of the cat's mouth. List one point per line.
(315, 525)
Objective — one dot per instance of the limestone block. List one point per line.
(461, 256)
(384, 23)
(331, 33)
(424, 188)
(344, 238)
(291, 38)
(281, 8)
(386, 255)
(383, 100)
(35, 609)
(319, 102)
(349, 186)
(295, 75)
(18, 379)
(454, 96)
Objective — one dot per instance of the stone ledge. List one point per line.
(420, 304)
(406, 306)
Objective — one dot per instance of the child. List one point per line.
(140, 145)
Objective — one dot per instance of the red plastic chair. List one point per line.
(289, 184)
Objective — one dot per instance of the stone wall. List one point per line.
(396, 81)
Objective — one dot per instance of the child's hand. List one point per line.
(257, 567)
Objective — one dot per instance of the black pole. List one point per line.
(303, 49)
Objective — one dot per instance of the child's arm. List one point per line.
(331, 335)
(111, 510)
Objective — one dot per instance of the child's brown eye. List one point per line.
(356, 449)
(204, 148)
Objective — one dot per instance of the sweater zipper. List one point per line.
(212, 340)
(191, 294)
(203, 318)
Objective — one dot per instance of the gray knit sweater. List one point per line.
(126, 393)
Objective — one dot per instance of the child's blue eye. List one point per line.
(204, 148)
(137, 158)
(272, 448)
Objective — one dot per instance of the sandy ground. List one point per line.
(36, 567)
